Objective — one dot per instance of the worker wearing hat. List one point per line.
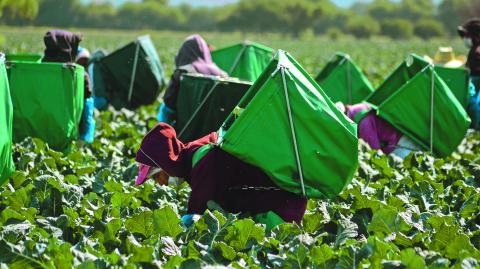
(470, 32)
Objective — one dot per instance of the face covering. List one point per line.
(468, 42)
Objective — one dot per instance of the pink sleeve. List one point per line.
(367, 130)
(388, 134)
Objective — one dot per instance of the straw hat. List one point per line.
(446, 57)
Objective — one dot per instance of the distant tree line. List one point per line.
(400, 20)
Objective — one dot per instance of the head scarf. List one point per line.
(61, 46)
(160, 148)
(195, 51)
(82, 53)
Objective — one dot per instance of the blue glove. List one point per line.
(474, 106)
(165, 114)
(187, 220)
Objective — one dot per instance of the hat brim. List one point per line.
(462, 31)
(454, 64)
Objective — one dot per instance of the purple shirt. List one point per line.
(377, 132)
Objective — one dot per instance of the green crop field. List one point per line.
(81, 209)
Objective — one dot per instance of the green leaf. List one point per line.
(61, 254)
(113, 186)
(18, 178)
(322, 254)
(311, 223)
(460, 247)
(242, 234)
(448, 241)
(174, 262)
(411, 259)
(111, 230)
(166, 222)
(225, 250)
(470, 207)
(141, 223)
(139, 252)
(387, 221)
(346, 230)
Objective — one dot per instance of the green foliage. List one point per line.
(429, 28)
(456, 12)
(80, 209)
(363, 26)
(383, 10)
(150, 14)
(272, 16)
(254, 16)
(26, 9)
(397, 28)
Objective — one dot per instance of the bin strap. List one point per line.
(349, 82)
(199, 108)
(292, 128)
(432, 95)
(134, 71)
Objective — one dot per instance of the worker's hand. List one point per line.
(161, 178)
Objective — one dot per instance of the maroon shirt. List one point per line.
(236, 186)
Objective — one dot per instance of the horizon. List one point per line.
(216, 3)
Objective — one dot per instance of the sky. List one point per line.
(342, 3)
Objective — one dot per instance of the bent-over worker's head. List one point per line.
(83, 57)
(61, 46)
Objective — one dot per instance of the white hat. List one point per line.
(82, 53)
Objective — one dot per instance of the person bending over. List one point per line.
(193, 57)
(214, 175)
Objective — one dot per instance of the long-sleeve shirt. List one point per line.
(377, 132)
(473, 60)
(235, 185)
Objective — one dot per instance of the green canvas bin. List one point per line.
(47, 101)
(245, 61)
(291, 130)
(96, 74)
(457, 79)
(134, 74)
(24, 57)
(204, 102)
(343, 81)
(6, 116)
(417, 101)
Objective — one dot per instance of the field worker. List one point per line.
(62, 47)
(378, 133)
(470, 32)
(87, 123)
(83, 57)
(193, 57)
(217, 176)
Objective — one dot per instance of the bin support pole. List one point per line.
(198, 108)
(134, 72)
(292, 128)
(432, 100)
